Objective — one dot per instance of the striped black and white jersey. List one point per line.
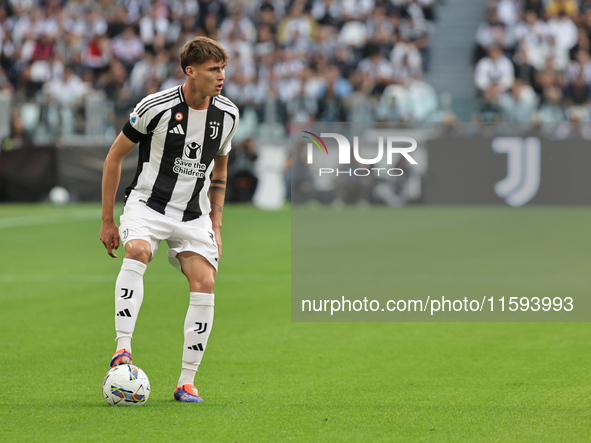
(178, 146)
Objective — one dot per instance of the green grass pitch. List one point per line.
(263, 377)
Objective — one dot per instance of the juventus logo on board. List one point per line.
(215, 126)
(523, 169)
(201, 327)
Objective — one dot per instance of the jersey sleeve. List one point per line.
(226, 146)
(136, 128)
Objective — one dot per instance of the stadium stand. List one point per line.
(297, 60)
(548, 44)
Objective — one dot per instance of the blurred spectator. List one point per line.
(149, 68)
(380, 29)
(128, 47)
(507, 12)
(297, 174)
(177, 78)
(357, 9)
(579, 67)
(297, 26)
(238, 25)
(65, 95)
(492, 32)
(551, 109)
(154, 28)
(327, 12)
(582, 43)
(524, 71)
(494, 70)
(532, 31)
(215, 7)
(98, 53)
(414, 29)
(558, 7)
(564, 31)
(377, 69)
(406, 62)
(5, 85)
(242, 181)
(489, 110)
(549, 76)
(19, 136)
(330, 106)
(422, 102)
(534, 5)
(519, 103)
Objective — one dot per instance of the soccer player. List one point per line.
(184, 135)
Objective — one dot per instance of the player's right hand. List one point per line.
(109, 235)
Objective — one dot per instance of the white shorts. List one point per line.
(139, 222)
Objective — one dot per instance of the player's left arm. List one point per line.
(217, 196)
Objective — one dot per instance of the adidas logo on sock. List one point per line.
(124, 313)
(197, 347)
(178, 129)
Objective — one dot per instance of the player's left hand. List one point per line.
(109, 235)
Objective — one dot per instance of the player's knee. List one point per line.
(138, 252)
(204, 284)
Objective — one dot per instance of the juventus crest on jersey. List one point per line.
(178, 146)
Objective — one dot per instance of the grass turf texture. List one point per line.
(267, 379)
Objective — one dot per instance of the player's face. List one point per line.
(208, 78)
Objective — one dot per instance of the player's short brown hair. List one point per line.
(200, 50)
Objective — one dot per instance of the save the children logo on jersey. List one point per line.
(192, 151)
(190, 164)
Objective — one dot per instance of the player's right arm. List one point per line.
(109, 234)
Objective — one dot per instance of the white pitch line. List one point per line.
(50, 219)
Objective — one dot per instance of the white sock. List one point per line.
(198, 323)
(124, 342)
(187, 377)
(129, 294)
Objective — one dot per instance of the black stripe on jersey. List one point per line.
(145, 148)
(210, 149)
(173, 148)
(145, 107)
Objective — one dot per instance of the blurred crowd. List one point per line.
(532, 61)
(291, 60)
